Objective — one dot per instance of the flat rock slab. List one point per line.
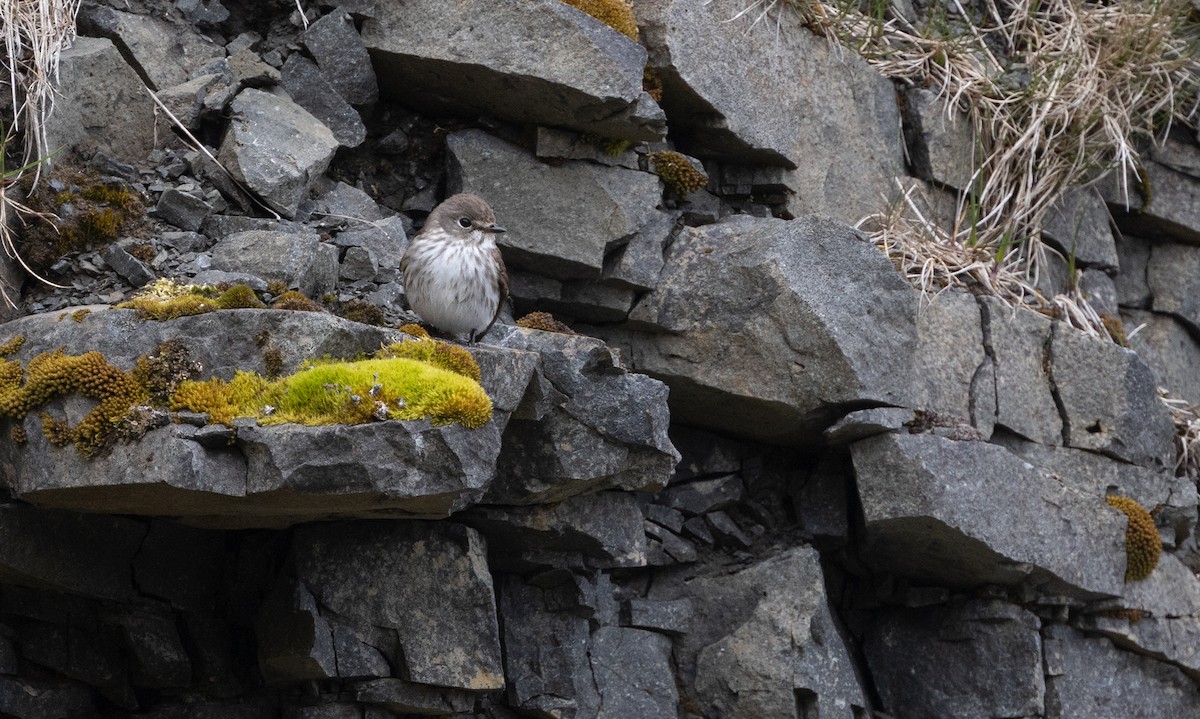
(772, 329)
(540, 62)
(560, 389)
(971, 513)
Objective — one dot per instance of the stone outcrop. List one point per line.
(745, 470)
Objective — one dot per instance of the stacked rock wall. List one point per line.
(768, 479)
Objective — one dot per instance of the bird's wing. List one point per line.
(501, 285)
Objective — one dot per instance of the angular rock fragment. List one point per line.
(294, 641)
(311, 90)
(605, 205)
(165, 53)
(409, 576)
(301, 261)
(1171, 277)
(941, 148)
(1078, 226)
(342, 57)
(1171, 351)
(970, 513)
(275, 148)
(770, 329)
(782, 97)
(1017, 341)
(541, 62)
(632, 670)
(945, 661)
(1160, 204)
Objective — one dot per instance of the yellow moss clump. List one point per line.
(332, 392)
(439, 354)
(1142, 543)
(652, 84)
(53, 374)
(12, 346)
(293, 300)
(544, 321)
(166, 299)
(617, 14)
(677, 172)
(415, 330)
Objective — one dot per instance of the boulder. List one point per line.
(1109, 400)
(763, 642)
(970, 513)
(311, 90)
(771, 329)
(1172, 352)
(409, 576)
(300, 261)
(342, 57)
(979, 658)
(1089, 677)
(275, 148)
(1017, 341)
(561, 220)
(100, 104)
(541, 62)
(163, 53)
(773, 93)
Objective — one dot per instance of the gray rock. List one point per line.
(980, 658)
(366, 572)
(186, 100)
(531, 199)
(356, 658)
(303, 262)
(181, 209)
(1170, 211)
(951, 372)
(87, 654)
(159, 658)
(130, 268)
(1100, 291)
(1178, 152)
(822, 499)
(1171, 276)
(798, 344)
(163, 53)
(567, 69)
(312, 91)
(867, 423)
(383, 240)
(342, 57)
(1169, 629)
(68, 552)
(763, 641)
(577, 433)
(639, 262)
(347, 206)
(671, 616)
(180, 564)
(203, 12)
(772, 73)
(1172, 352)
(703, 496)
(970, 513)
(100, 104)
(606, 527)
(249, 70)
(402, 697)
(664, 516)
(1109, 400)
(1018, 340)
(941, 149)
(294, 642)
(1174, 497)
(704, 454)
(632, 670)
(24, 698)
(275, 148)
(1089, 677)
(726, 532)
(666, 547)
(1077, 226)
(553, 144)
(1133, 287)
(545, 652)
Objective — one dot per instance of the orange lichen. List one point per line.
(1143, 545)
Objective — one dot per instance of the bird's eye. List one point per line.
(464, 222)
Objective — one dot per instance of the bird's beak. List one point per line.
(495, 229)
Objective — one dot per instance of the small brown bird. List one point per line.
(454, 275)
